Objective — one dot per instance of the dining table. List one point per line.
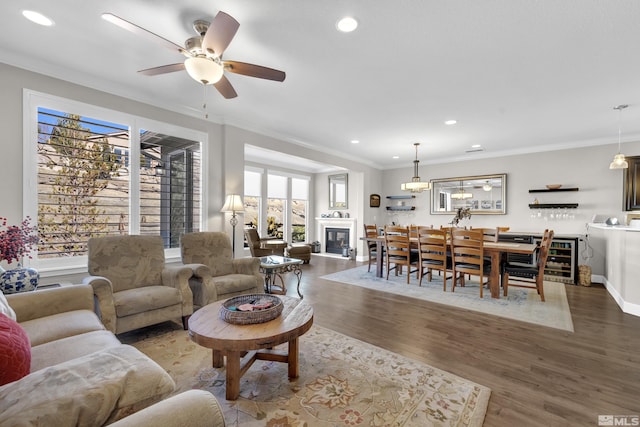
(495, 250)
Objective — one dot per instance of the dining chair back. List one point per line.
(398, 250)
(488, 234)
(370, 231)
(433, 254)
(523, 275)
(467, 253)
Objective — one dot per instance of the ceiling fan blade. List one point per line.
(129, 26)
(164, 69)
(252, 70)
(225, 88)
(220, 33)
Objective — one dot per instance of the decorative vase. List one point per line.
(19, 280)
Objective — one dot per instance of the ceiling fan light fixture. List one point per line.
(487, 186)
(415, 185)
(203, 70)
(619, 162)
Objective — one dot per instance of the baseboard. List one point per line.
(625, 306)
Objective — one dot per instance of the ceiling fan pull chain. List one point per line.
(204, 101)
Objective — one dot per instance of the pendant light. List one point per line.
(415, 186)
(619, 161)
(461, 194)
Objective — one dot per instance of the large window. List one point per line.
(100, 173)
(252, 199)
(299, 209)
(276, 203)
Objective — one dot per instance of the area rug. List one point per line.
(521, 304)
(343, 382)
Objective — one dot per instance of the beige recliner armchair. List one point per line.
(216, 274)
(133, 285)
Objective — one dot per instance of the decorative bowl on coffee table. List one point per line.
(230, 312)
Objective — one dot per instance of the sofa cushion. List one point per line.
(146, 298)
(58, 351)
(15, 351)
(61, 325)
(91, 390)
(233, 283)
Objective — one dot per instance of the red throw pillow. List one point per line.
(15, 351)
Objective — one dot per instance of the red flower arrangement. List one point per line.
(17, 241)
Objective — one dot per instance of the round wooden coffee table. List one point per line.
(241, 343)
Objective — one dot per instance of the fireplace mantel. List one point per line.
(323, 223)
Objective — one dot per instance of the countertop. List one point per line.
(614, 227)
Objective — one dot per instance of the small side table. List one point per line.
(274, 266)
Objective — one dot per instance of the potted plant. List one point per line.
(16, 243)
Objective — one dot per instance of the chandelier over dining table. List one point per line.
(415, 185)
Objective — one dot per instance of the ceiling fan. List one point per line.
(204, 61)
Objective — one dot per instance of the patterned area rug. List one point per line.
(343, 381)
(521, 304)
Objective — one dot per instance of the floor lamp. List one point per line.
(233, 204)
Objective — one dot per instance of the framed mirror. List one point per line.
(338, 191)
(483, 194)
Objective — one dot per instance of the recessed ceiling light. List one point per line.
(355, 141)
(395, 157)
(347, 24)
(476, 146)
(450, 122)
(37, 18)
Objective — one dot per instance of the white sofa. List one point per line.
(81, 375)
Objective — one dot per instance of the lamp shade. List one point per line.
(233, 203)
(619, 162)
(204, 70)
(415, 186)
(461, 195)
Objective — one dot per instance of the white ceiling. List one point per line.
(518, 75)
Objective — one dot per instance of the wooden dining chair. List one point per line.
(488, 234)
(467, 254)
(371, 230)
(398, 250)
(523, 275)
(433, 254)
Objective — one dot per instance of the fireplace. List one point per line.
(323, 223)
(336, 239)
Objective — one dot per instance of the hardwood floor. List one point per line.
(537, 375)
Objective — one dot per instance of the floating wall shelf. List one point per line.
(553, 205)
(548, 190)
(401, 208)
